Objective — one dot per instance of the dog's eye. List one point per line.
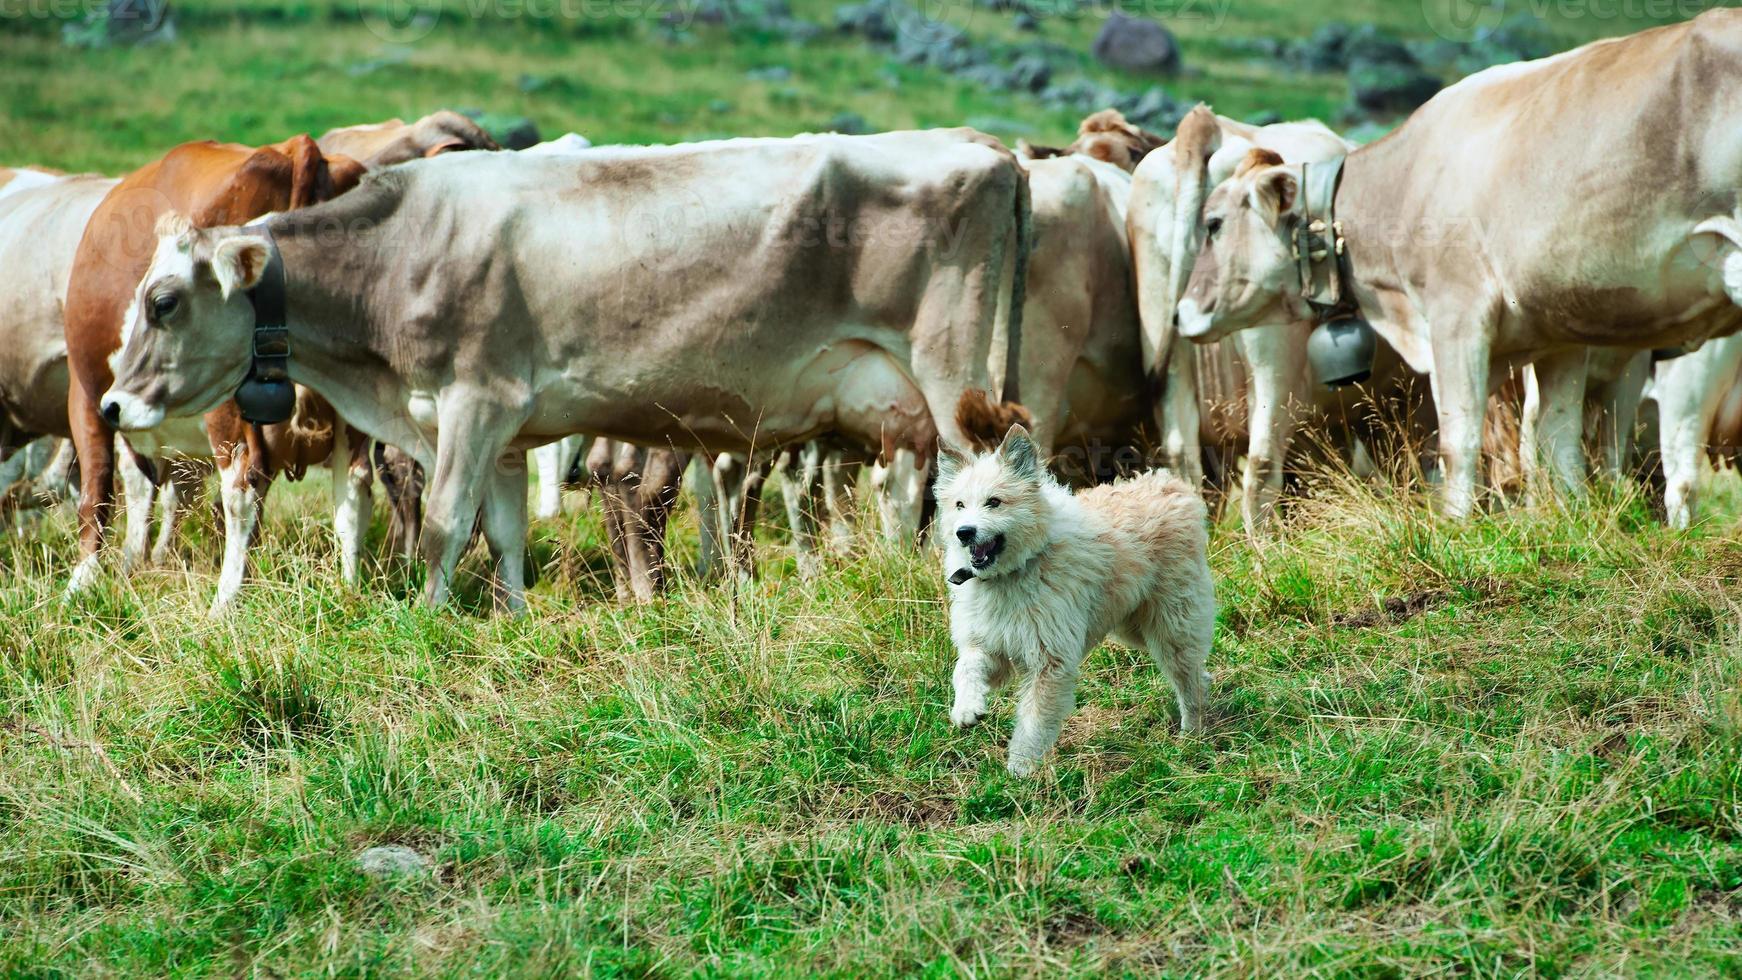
(959, 505)
(994, 503)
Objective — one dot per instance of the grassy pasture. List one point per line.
(1504, 747)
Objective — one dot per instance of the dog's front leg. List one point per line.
(1049, 695)
(977, 673)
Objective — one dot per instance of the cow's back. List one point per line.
(654, 274)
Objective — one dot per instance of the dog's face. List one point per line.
(993, 514)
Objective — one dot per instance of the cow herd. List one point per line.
(409, 300)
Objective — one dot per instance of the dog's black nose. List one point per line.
(112, 412)
(966, 533)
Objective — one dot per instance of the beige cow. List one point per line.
(715, 296)
(1521, 215)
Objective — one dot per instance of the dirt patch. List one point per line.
(1071, 928)
(896, 808)
(1401, 609)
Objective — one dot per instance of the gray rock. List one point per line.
(392, 861)
(1376, 86)
(1136, 45)
(849, 123)
(510, 132)
(772, 73)
(1031, 73)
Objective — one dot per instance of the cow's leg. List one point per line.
(611, 467)
(1619, 409)
(242, 487)
(838, 474)
(1690, 391)
(744, 525)
(712, 538)
(801, 470)
(1560, 417)
(505, 529)
(352, 479)
(737, 491)
(181, 485)
(1460, 387)
(95, 444)
(554, 461)
(474, 432)
(1180, 418)
(62, 471)
(140, 499)
(661, 476)
(1273, 356)
(900, 486)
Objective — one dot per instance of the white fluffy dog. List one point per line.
(1041, 576)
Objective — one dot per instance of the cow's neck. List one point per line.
(1365, 206)
(334, 270)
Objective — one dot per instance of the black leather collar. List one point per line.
(267, 396)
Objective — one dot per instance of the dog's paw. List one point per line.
(967, 715)
(1021, 766)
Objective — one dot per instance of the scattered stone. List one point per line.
(873, 20)
(1390, 87)
(1026, 21)
(1030, 73)
(1134, 44)
(772, 73)
(847, 123)
(392, 861)
(510, 132)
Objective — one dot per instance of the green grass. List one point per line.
(1527, 761)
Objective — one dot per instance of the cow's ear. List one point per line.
(1019, 453)
(344, 173)
(239, 262)
(1275, 190)
(310, 180)
(951, 461)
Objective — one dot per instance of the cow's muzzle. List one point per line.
(128, 413)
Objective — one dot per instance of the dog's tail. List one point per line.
(983, 421)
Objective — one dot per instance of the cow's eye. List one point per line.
(1214, 225)
(164, 305)
(993, 503)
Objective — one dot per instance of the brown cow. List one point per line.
(217, 184)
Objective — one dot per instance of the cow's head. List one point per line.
(186, 339)
(1245, 273)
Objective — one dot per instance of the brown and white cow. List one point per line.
(218, 184)
(716, 296)
(1521, 215)
(214, 184)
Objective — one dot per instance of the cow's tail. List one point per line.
(983, 421)
(1195, 141)
(1018, 252)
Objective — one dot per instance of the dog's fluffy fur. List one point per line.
(1039, 577)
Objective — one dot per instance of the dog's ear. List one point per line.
(1019, 453)
(950, 461)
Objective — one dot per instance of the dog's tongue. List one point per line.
(984, 548)
(961, 575)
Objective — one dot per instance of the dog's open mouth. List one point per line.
(982, 554)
